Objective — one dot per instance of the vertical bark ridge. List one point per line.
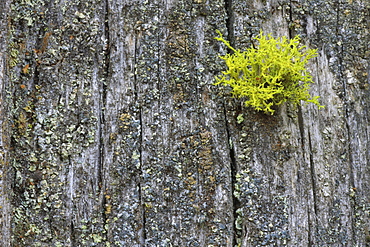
(7, 175)
(348, 109)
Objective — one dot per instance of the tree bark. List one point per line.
(5, 169)
(113, 134)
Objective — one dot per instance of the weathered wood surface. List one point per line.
(5, 172)
(112, 133)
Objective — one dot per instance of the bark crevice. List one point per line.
(313, 178)
(234, 171)
(301, 126)
(233, 164)
(230, 21)
(73, 240)
(102, 103)
(290, 30)
(141, 141)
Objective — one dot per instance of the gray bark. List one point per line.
(5, 172)
(113, 134)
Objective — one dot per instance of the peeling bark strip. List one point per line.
(112, 133)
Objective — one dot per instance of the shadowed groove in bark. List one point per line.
(73, 241)
(234, 170)
(233, 165)
(290, 30)
(311, 232)
(103, 100)
(140, 115)
(301, 125)
(229, 21)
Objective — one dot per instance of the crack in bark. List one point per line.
(230, 22)
(233, 164)
(142, 235)
(102, 103)
(73, 240)
(314, 187)
(311, 231)
(290, 30)
(233, 168)
(301, 125)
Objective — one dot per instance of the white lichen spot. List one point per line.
(80, 15)
(350, 77)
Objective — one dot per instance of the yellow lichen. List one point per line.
(270, 74)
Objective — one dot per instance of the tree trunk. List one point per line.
(113, 134)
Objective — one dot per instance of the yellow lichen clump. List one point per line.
(270, 74)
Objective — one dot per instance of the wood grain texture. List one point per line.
(113, 133)
(308, 160)
(5, 167)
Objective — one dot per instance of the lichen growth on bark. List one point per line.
(270, 74)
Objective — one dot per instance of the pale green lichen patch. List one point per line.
(266, 220)
(54, 118)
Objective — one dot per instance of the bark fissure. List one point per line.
(290, 30)
(73, 240)
(230, 21)
(313, 181)
(140, 147)
(301, 126)
(234, 170)
(233, 164)
(102, 103)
